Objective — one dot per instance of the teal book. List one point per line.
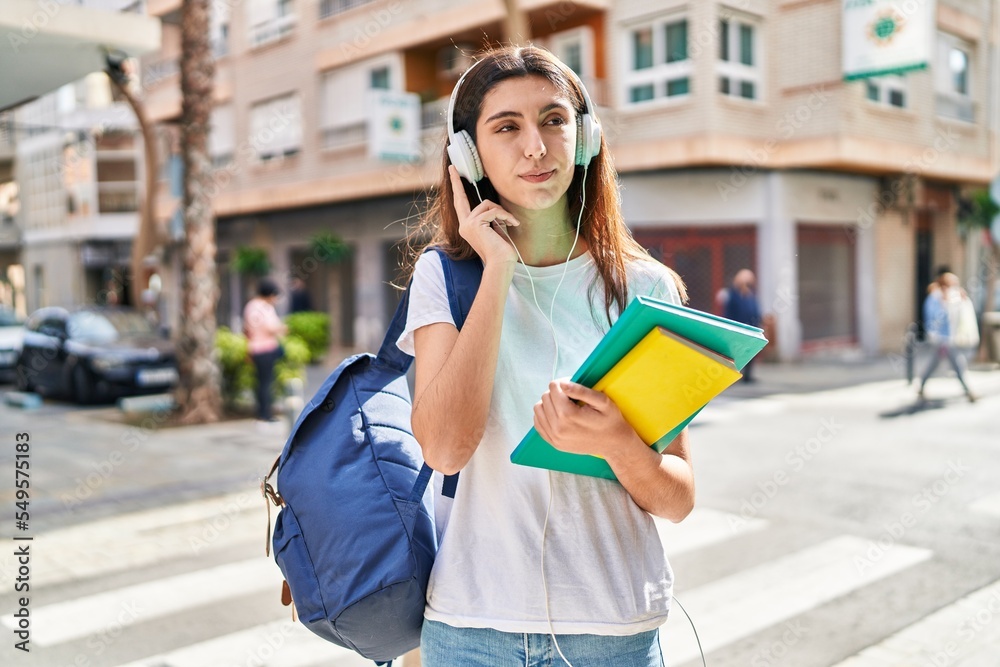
(726, 338)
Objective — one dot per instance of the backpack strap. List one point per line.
(461, 280)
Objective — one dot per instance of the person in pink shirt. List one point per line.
(263, 328)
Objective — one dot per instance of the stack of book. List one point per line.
(660, 364)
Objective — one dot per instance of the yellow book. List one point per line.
(663, 380)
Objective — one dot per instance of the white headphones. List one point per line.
(462, 150)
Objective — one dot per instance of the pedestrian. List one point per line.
(536, 563)
(299, 301)
(950, 325)
(740, 304)
(263, 329)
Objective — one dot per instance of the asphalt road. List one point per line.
(830, 522)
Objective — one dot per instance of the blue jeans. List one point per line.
(442, 645)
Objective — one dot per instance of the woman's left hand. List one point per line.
(579, 420)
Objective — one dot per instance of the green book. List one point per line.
(737, 341)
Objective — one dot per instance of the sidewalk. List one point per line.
(94, 465)
(820, 374)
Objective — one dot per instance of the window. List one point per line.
(276, 127)
(739, 68)
(659, 61)
(952, 80)
(331, 7)
(270, 20)
(222, 136)
(219, 29)
(343, 116)
(958, 69)
(380, 79)
(575, 48)
(889, 90)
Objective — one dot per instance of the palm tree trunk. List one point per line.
(199, 393)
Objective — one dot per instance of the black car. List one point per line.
(94, 354)
(11, 335)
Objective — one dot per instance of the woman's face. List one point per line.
(526, 138)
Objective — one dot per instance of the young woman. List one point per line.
(263, 329)
(942, 310)
(537, 565)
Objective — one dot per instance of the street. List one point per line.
(836, 524)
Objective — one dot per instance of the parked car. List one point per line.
(11, 336)
(93, 354)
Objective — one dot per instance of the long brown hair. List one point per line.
(602, 225)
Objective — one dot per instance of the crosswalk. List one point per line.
(130, 578)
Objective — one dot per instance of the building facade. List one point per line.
(737, 140)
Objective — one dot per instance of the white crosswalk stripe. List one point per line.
(988, 505)
(958, 635)
(754, 599)
(280, 644)
(734, 606)
(66, 621)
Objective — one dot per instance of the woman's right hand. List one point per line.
(476, 225)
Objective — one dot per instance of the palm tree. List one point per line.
(199, 393)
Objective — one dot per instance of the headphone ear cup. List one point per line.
(463, 154)
(588, 141)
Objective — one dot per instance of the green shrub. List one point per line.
(251, 261)
(238, 375)
(314, 329)
(292, 365)
(239, 378)
(329, 248)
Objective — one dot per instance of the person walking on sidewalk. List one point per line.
(535, 564)
(263, 329)
(946, 311)
(740, 304)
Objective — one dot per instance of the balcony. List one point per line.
(434, 114)
(117, 197)
(956, 107)
(345, 136)
(159, 70)
(272, 31)
(328, 8)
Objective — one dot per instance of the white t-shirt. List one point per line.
(605, 567)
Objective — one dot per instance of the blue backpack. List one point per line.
(355, 536)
